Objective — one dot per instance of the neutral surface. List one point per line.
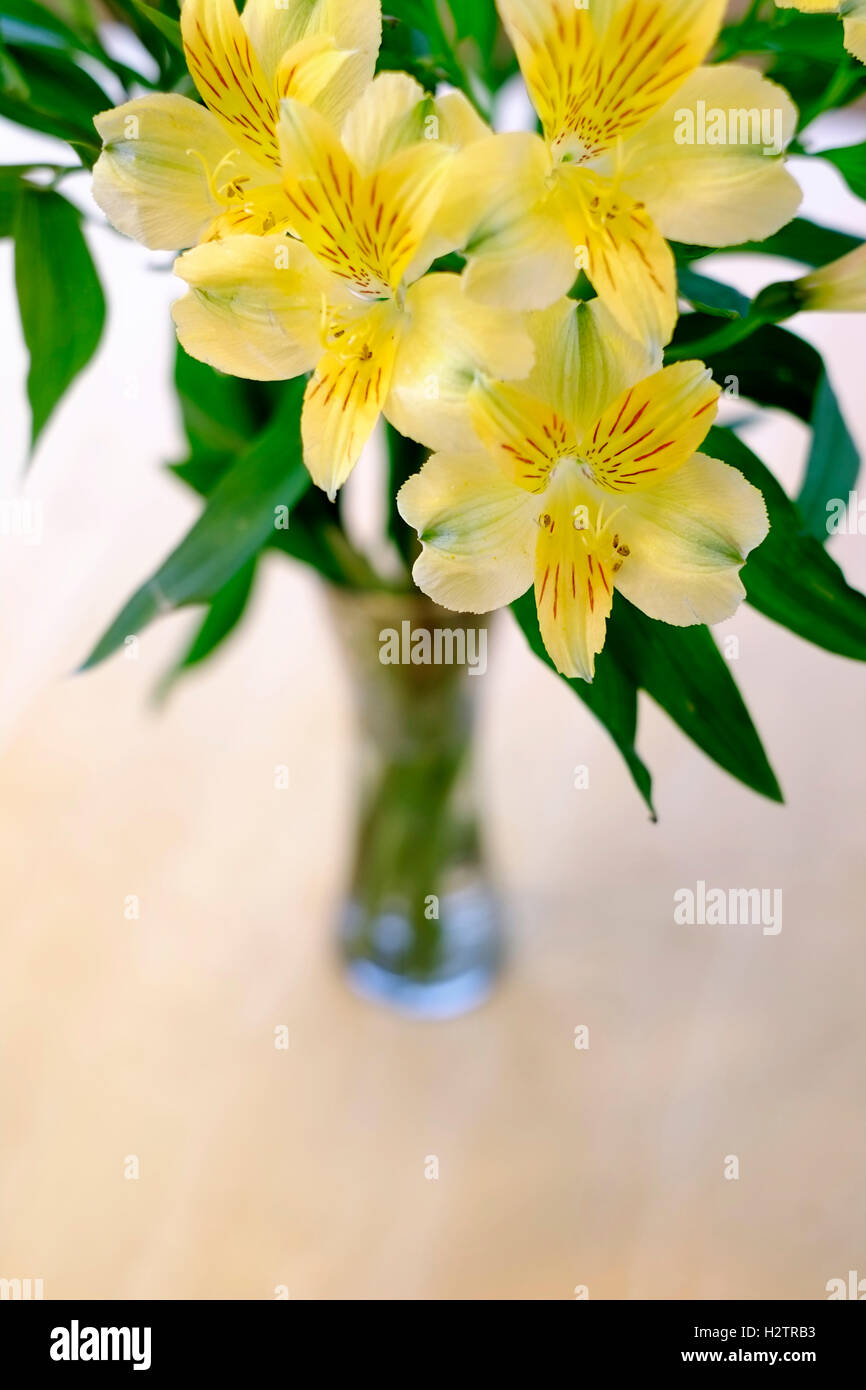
(306, 1168)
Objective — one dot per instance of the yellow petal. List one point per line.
(395, 112)
(583, 359)
(652, 429)
(387, 116)
(573, 578)
(307, 68)
(687, 540)
(716, 194)
(448, 340)
(477, 530)
(366, 230)
(810, 6)
(838, 287)
(228, 75)
(355, 26)
(855, 30)
(524, 435)
(254, 307)
(345, 396)
(622, 251)
(596, 73)
(497, 209)
(155, 177)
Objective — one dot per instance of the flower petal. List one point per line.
(709, 193)
(573, 579)
(652, 429)
(310, 71)
(354, 25)
(364, 230)
(447, 342)
(229, 76)
(477, 530)
(395, 112)
(154, 178)
(688, 539)
(622, 251)
(344, 397)
(839, 286)
(497, 209)
(854, 24)
(596, 73)
(524, 435)
(386, 117)
(584, 360)
(254, 307)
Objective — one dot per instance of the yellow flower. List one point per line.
(586, 479)
(173, 172)
(640, 142)
(839, 287)
(341, 294)
(852, 13)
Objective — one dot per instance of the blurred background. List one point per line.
(306, 1171)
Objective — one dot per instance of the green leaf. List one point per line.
(59, 297)
(215, 409)
(775, 367)
(13, 83)
(237, 522)
(169, 28)
(790, 577)
(682, 669)
(711, 296)
(224, 613)
(851, 163)
(799, 240)
(8, 206)
(834, 463)
(612, 696)
(61, 100)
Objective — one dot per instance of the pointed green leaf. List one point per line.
(225, 611)
(237, 522)
(711, 296)
(834, 463)
(59, 297)
(799, 240)
(851, 163)
(612, 696)
(682, 669)
(790, 577)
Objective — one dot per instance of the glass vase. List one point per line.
(419, 930)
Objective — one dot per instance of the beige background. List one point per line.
(305, 1168)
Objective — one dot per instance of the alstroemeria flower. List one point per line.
(343, 294)
(851, 12)
(640, 142)
(838, 287)
(173, 173)
(587, 480)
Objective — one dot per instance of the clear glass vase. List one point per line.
(420, 928)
